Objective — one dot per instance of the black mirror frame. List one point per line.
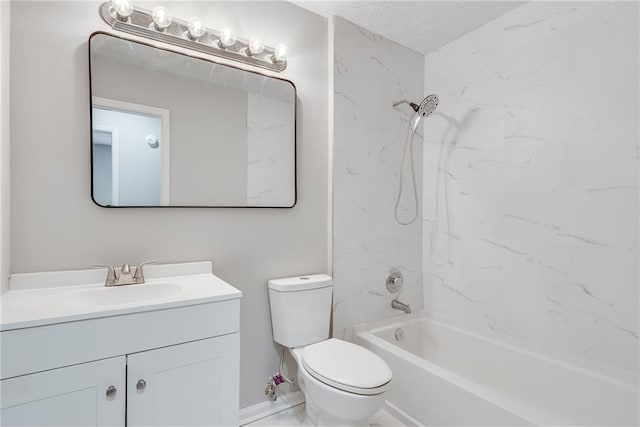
(295, 128)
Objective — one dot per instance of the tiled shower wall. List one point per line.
(370, 72)
(531, 179)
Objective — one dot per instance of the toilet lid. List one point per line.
(346, 366)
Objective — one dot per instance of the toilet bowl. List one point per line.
(343, 383)
(339, 388)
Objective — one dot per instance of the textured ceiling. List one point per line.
(423, 26)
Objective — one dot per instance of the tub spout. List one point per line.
(401, 306)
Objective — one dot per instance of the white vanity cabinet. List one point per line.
(81, 395)
(169, 362)
(189, 384)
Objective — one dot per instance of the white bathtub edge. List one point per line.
(371, 335)
(627, 379)
(401, 416)
(466, 385)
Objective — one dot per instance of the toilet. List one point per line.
(343, 383)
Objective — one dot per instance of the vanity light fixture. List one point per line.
(122, 9)
(195, 29)
(227, 38)
(255, 46)
(158, 24)
(280, 53)
(161, 17)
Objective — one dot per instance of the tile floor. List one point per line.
(295, 417)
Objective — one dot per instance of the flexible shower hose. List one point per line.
(409, 143)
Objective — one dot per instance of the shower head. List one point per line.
(426, 107)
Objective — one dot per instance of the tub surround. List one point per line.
(531, 179)
(370, 72)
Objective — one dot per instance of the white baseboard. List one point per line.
(400, 415)
(264, 409)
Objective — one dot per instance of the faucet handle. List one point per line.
(111, 274)
(125, 269)
(394, 281)
(138, 276)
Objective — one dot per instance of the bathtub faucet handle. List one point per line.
(394, 281)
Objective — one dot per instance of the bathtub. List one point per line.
(444, 374)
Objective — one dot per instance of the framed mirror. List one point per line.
(172, 130)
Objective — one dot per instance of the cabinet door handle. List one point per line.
(111, 391)
(141, 385)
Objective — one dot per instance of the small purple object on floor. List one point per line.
(277, 379)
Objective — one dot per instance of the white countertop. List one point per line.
(36, 299)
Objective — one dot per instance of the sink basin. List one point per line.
(114, 295)
(37, 299)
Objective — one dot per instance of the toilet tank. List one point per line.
(300, 309)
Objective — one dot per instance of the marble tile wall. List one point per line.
(370, 72)
(531, 179)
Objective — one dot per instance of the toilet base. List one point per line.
(317, 418)
(328, 406)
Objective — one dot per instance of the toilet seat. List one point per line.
(346, 366)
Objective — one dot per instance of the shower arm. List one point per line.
(406, 101)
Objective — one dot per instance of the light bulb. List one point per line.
(255, 46)
(195, 27)
(280, 53)
(227, 38)
(122, 8)
(161, 17)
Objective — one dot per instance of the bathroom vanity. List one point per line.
(165, 352)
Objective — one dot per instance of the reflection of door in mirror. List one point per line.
(130, 154)
(105, 183)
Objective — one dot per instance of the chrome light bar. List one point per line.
(140, 22)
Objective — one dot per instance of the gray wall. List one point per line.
(5, 225)
(208, 127)
(370, 72)
(55, 224)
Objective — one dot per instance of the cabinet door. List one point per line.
(72, 396)
(190, 384)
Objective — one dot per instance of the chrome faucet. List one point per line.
(124, 277)
(396, 304)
